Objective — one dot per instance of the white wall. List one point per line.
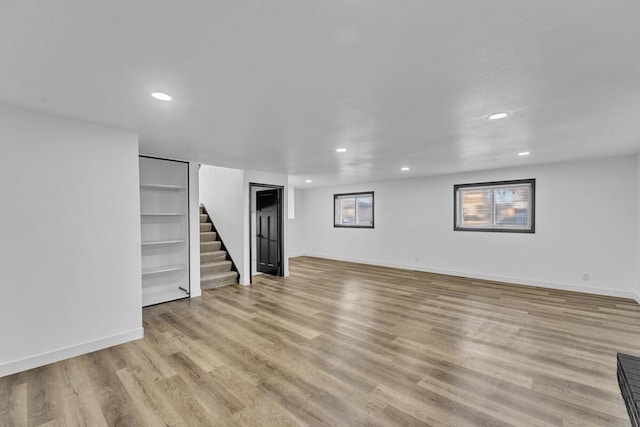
(221, 192)
(291, 197)
(297, 236)
(586, 222)
(70, 239)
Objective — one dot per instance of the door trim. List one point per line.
(280, 189)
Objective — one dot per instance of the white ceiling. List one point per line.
(277, 85)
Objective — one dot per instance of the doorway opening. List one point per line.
(266, 229)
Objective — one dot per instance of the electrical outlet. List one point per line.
(417, 259)
(585, 276)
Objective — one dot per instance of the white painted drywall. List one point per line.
(586, 222)
(221, 192)
(297, 236)
(70, 238)
(291, 197)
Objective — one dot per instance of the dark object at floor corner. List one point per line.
(629, 381)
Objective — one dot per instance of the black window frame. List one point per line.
(355, 195)
(532, 206)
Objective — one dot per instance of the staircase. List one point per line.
(216, 266)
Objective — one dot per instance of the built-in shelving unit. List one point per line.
(164, 220)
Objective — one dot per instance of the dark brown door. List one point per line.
(267, 232)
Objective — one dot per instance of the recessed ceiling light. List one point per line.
(404, 168)
(498, 116)
(308, 181)
(161, 96)
(524, 153)
(341, 150)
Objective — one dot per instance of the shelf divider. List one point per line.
(163, 269)
(147, 186)
(162, 242)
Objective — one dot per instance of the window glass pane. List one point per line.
(496, 206)
(348, 211)
(365, 210)
(353, 210)
(476, 208)
(512, 206)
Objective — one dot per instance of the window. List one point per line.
(507, 206)
(353, 210)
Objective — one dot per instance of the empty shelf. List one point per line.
(162, 242)
(157, 297)
(162, 187)
(163, 269)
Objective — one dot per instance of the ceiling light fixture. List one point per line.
(498, 116)
(404, 168)
(524, 153)
(308, 181)
(161, 96)
(341, 150)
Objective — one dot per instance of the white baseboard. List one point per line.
(494, 278)
(46, 358)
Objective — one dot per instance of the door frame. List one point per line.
(280, 191)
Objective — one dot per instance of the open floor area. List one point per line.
(345, 344)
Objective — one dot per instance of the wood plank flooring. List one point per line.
(344, 344)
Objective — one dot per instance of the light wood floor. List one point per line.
(343, 344)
